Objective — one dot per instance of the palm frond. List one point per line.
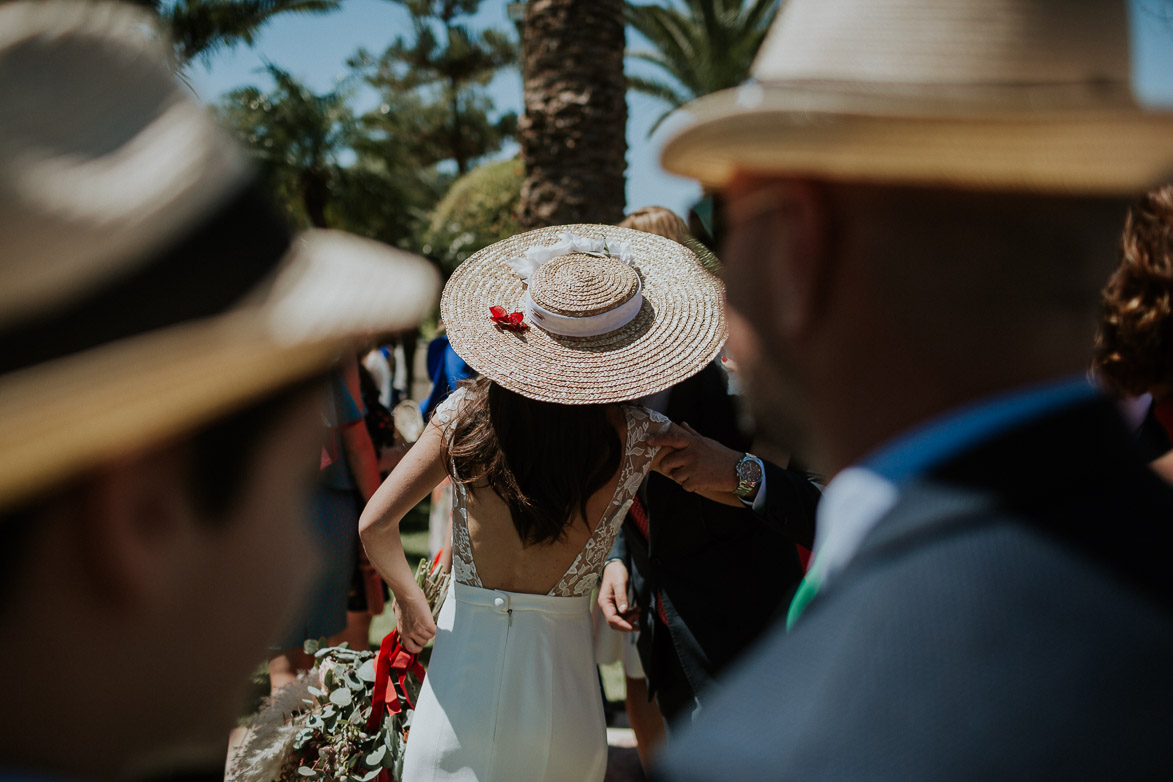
(761, 14)
(200, 28)
(705, 45)
(659, 121)
(657, 89)
(672, 35)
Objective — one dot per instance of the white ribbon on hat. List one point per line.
(568, 326)
(525, 265)
(588, 326)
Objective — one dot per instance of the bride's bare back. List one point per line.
(497, 559)
(504, 562)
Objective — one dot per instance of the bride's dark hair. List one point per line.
(543, 459)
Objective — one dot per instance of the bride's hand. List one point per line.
(413, 618)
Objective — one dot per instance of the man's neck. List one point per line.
(862, 425)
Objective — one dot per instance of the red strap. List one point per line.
(392, 659)
(640, 517)
(1163, 410)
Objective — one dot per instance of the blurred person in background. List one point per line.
(163, 343)
(348, 477)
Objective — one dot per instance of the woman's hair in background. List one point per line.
(544, 460)
(664, 222)
(657, 220)
(1134, 346)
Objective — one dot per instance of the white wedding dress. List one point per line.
(512, 693)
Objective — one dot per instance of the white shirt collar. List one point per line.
(851, 506)
(859, 496)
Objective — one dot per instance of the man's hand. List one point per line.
(696, 462)
(613, 598)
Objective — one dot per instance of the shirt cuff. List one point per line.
(758, 503)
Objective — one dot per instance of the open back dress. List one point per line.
(511, 692)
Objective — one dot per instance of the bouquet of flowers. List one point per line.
(347, 719)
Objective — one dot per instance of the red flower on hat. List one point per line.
(509, 321)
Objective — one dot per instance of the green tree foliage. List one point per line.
(479, 209)
(707, 46)
(319, 165)
(200, 28)
(298, 138)
(433, 85)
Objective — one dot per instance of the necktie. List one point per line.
(640, 517)
(807, 589)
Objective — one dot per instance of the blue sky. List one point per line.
(315, 48)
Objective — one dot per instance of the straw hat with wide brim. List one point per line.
(1001, 94)
(146, 288)
(605, 314)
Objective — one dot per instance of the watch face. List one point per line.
(749, 471)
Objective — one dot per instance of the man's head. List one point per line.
(910, 226)
(152, 583)
(160, 336)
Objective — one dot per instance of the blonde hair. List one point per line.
(657, 220)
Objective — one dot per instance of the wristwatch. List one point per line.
(749, 476)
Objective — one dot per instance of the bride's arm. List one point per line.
(412, 480)
(723, 497)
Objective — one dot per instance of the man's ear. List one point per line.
(134, 518)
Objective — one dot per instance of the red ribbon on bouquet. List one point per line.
(392, 665)
(393, 658)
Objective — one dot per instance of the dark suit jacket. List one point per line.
(1011, 618)
(723, 571)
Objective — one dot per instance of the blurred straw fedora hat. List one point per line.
(1002, 94)
(146, 287)
(589, 314)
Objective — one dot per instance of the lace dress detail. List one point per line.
(463, 570)
(583, 574)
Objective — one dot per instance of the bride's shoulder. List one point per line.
(448, 411)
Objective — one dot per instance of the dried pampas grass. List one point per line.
(268, 745)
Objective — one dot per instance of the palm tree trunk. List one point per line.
(573, 133)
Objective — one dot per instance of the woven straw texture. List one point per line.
(90, 202)
(580, 285)
(679, 329)
(1031, 95)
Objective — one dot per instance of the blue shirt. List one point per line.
(446, 369)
